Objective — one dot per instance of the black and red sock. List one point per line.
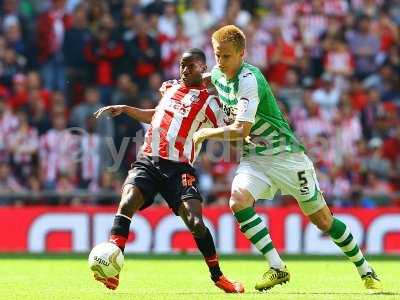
(207, 248)
(120, 231)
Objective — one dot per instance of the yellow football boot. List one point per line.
(273, 277)
(372, 282)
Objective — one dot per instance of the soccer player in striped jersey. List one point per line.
(165, 163)
(272, 159)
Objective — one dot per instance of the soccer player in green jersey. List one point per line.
(272, 159)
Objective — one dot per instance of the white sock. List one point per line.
(364, 268)
(274, 260)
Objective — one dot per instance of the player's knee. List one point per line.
(239, 200)
(322, 219)
(323, 224)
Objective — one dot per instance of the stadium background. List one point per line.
(333, 65)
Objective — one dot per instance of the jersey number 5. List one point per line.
(304, 190)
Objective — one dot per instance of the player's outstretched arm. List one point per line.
(141, 115)
(234, 132)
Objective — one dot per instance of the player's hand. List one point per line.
(109, 282)
(198, 138)
(112, 110)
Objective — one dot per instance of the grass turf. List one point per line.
(186, 277)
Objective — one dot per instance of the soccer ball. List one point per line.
(106, 259)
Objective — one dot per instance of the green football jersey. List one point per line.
(247, 97)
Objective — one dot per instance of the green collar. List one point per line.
(236, 75)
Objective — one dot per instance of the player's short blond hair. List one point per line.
(230, 33)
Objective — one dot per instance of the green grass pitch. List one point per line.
(186, 277)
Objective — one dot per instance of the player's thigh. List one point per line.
(132, 200)
(140, 187)
(296, 176)
(248, 188)
(181, 186)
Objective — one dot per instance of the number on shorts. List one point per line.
(188, 180)
(304, 190)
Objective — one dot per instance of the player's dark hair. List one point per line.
(197, 53)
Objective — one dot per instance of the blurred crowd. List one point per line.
(333, 65)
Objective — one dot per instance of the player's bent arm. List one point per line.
(237, 131)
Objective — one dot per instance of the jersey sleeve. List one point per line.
(166, 85)
(215, 113)
(248, 98)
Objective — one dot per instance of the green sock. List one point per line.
(342, 237)
(257, 233)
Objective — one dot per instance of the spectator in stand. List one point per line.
(385, 81)
(11, 16)
(24, 146)
(8, 126)
(365, 48)
(391, 149)
(387, 31)
(108, 184)
(34, 84)
(347, 132)
(129, 10)
(168, 20)
(171, 50)
(291, 93)
(57, 151)
(144, 54)
(358, 94)
(375, 162)
(314, 125)
(341, 187)
(19, 96)
(8, 183)
(65, 184)
(313, 23)
(103, 53)
(376, 190)
(153, 91)
(339, 63)
(257, 40)
(51, 27)
(236, 15)
(15, 40)
(196, 21)
(39, 117)
(281, 17)
(83, 111)
(327, 96)
(75, 40)
(91, 149)
(96, 10)
(281, 56)
(11, 65)
(126, 93)
(371, 113)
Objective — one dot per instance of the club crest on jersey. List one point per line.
(194, 99)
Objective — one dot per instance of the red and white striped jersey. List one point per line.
(181, 112)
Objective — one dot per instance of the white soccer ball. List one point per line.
(106, 259)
